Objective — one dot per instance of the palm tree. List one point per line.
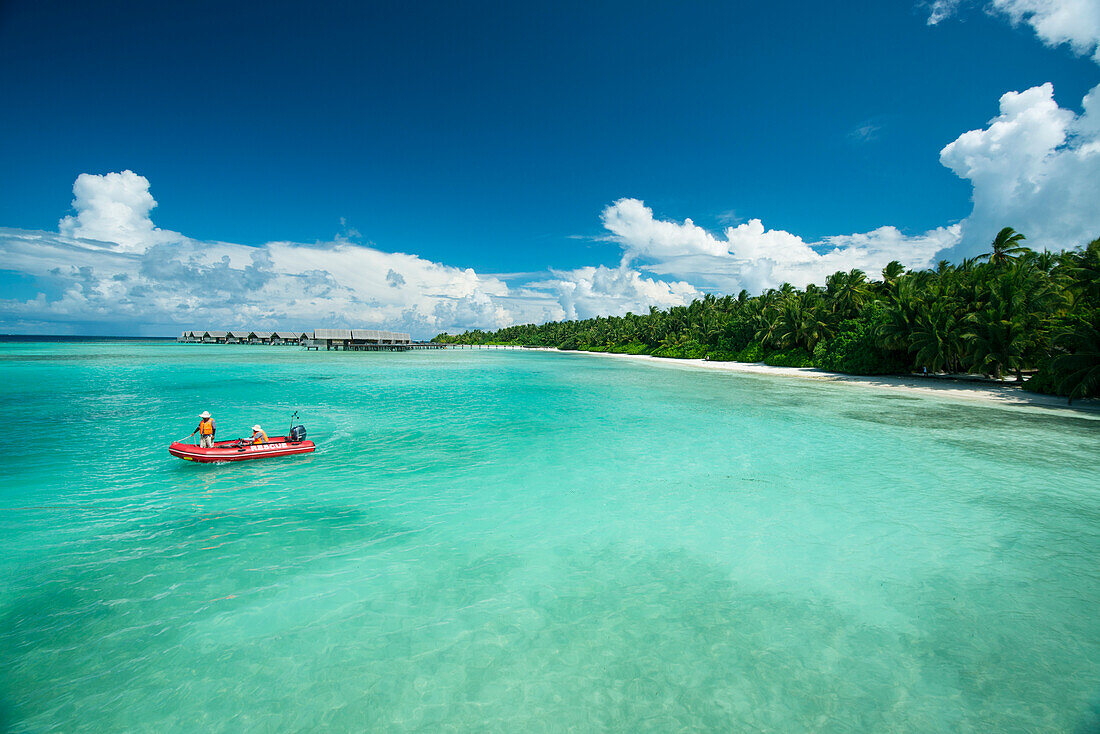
(1085, 271)
(936, 337)
(892, 272)
(710, 329)
(768, 330)
(1078, 369)
(900, 316)
(1020, 309)
(1038, 300)
(996, 341)
(1006, 246)
(814, 325)
(789, 322)
(1045, 260)
(998, 336)
(848, 292)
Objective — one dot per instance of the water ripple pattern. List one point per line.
(502, 541)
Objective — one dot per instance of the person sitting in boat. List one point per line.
(206, 430)
(258, 435)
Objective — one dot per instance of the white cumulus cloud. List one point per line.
(111, 266)
(114, 208)
(631, 223)
(1035, 167)
(601, 291)
(753, 257)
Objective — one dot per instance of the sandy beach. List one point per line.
(1007, 395)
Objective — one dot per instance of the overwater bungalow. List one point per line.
(373, 336)
(360, 340)
(332, 338)
(285, 337)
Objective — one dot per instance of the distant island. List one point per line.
(1013, 310)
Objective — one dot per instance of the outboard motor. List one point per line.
(297, 432)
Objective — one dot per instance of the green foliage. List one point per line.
(796, 357)
(855, 351)
(1073, 370)
(685, 350)
(1010, 310)
(1005, 247)
(754, 352)
(570, 342)
(631, 348)
(1076, 367)
(737, 334)
(1044, 381)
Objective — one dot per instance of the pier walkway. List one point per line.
(329, 340)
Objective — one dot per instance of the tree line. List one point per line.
(1035, 315)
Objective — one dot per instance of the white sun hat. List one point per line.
(205, 414)
(256, 428)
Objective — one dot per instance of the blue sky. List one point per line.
(495, 137)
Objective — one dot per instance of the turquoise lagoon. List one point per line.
(515, 541)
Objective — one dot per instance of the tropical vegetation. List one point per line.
(1014, 311)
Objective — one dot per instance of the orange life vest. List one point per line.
(262, 438)
(206, 427)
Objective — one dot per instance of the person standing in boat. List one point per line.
(206, 430)
(258, 435)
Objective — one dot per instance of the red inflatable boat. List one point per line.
(243, 449)
(238, 451)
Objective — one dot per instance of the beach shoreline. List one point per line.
(1008, 395)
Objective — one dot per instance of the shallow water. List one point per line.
(516, 541)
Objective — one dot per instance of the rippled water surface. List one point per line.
(516, 541)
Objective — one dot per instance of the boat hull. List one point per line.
(230, 451)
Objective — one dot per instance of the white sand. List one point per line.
(1008, 395)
